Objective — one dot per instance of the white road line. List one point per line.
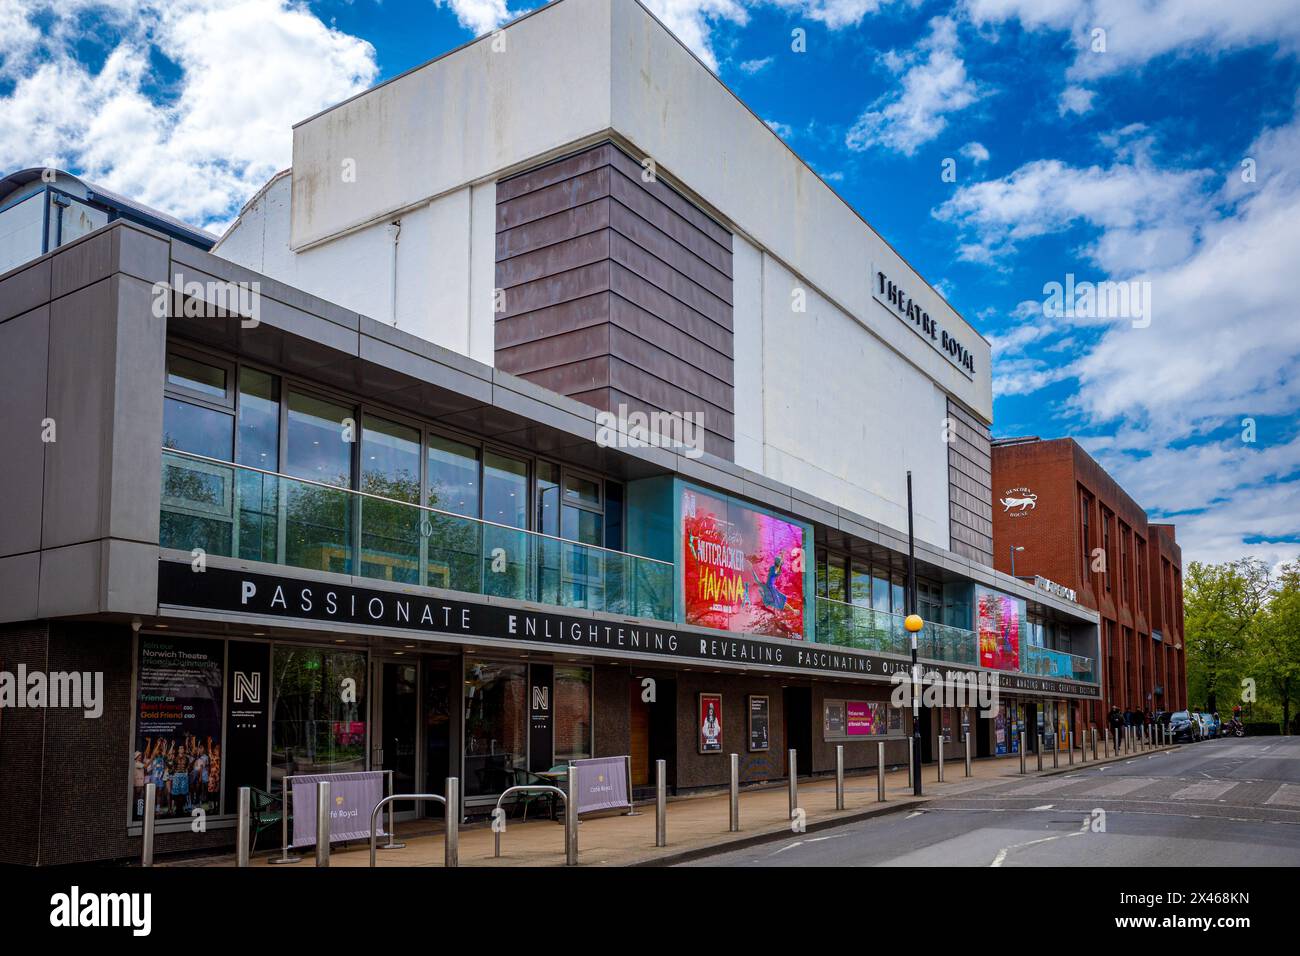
(1210, 790)
(1288, 793)
(1117, 788)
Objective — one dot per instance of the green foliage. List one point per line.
(1243, 638)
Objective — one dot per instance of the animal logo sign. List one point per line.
(1018, 501)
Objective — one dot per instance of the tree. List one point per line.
(1221, 602)
(1275, 642)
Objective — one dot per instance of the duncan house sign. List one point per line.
(895, 298)
(238, 592)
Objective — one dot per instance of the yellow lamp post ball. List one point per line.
(913, 622)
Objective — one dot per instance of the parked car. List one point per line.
(1216, 725)
(1185, 727)
(1206, 724)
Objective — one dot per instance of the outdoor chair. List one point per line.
(267, 810)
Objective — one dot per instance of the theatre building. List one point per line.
(1070, 528)
(549, 406)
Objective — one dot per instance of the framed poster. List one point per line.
(833, 719)
(947, 725)
(758, 723)
(178, 718)
(709, 721)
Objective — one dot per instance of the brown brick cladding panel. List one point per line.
(617, 291)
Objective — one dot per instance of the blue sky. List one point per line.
(1108, 157)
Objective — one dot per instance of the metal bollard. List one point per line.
(1041, 744)
(1083, 746)
(1056, 750)
(661, 803)
(150, 796)
(571, 818)
(241, 826)
(1070, 743)
(880, 772)
(323, 823)
(793, 756)
(941, 758)
(285, 856)
(1093, 731)
(451, 840)
(839, 776)
(392, 843)
(1022, 751)
(735, 794)
(910, 769)
(968, 754)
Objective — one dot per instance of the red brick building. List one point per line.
(1059, 516)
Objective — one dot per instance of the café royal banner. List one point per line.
(293, 599)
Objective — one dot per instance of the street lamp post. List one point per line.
(1014, 549)
(913, 623)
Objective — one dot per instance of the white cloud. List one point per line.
(213, 138)
(1222, 344)
(1137, 32)
(784, 130)
(977, 153)
(480, 16)
(1147, 214)
(1075, 99)
(755, 66)
(932, 84)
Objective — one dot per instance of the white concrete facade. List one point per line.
(837, 400)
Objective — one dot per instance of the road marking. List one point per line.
(1000, 857)
(1210, 790)
(1288, 793)
(1117, 788)
(1043, 786)
(1045, 806)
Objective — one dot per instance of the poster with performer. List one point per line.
(710, 723)
(743, 568)
(1000, 730)
(178, 725)
(998, 618)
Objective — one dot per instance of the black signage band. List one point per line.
(239, 592)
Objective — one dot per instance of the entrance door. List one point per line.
(652, 731)
(796, 708)
(395, 728)
(436, 725)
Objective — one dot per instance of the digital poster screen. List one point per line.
(999, 630)
(743, 568)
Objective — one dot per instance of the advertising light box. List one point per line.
(743, 568)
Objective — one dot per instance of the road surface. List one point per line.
(1231, 802)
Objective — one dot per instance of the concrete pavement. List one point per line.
(697, 823)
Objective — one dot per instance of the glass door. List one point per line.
(395, 727)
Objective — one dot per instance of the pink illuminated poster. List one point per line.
(999, 631)
(862, 718)
(743, 569)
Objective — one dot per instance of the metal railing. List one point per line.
(498, 821)
(239, 511)
(451, 803)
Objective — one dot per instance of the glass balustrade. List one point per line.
(235, 511)
(849, 625)
(1045, 662)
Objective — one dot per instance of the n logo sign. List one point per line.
(541, 698)
(248, 688)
